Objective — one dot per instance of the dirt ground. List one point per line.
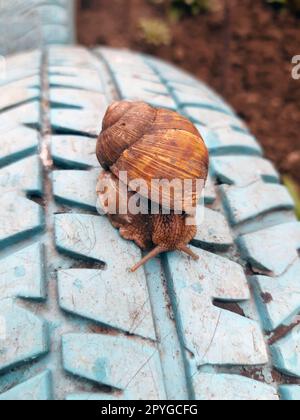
(244, 54)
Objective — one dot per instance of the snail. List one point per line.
(151, 144)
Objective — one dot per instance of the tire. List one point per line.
(31, 24)
(74, 323)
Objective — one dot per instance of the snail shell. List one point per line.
(153, 144)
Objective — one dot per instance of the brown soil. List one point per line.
(245, 55)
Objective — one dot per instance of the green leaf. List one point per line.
(155, 32)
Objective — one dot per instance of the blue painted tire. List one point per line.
(74, 323)
(31, 24)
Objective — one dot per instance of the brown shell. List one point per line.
(150, 144)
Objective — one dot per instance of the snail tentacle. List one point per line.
(188, 251)
(152, 254)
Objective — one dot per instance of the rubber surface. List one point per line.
(28, 24)
(74, 323)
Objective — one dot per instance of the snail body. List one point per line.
(151, 144)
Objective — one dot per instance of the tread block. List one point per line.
(22, 274)
(172, 74)
(67, 56)
(36, 389)
(76, 72)
(66, 191)
(69, 77)
(246, 203)
(187, 84)
(62, 97)
(28, 25)
(155, 94)
(26, 336)
(137, 71)
(285, 353)
(21, 66)
(272, 250)
(185, 87)
(108, 299)
(278, 299)
(265, 221)
(20, 219)
(243, 170)
(19, 75)
(224, 141)
(24, 175)
(83, 235)
(127, 63)
(85, 122)
(29, 3)
(132, 88)
(211, 334)
(10, 97)
(56, 34)
(27, 114)
(93, 237)
(26, 82)
(200, 99)
(214, 119)
(213, 230)
(213, 387)
(52, 13)
(290, 392)
(124, 84)
(156, 100)
(74, 152)
(18, 143)
(28, 59)
(120, 362)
